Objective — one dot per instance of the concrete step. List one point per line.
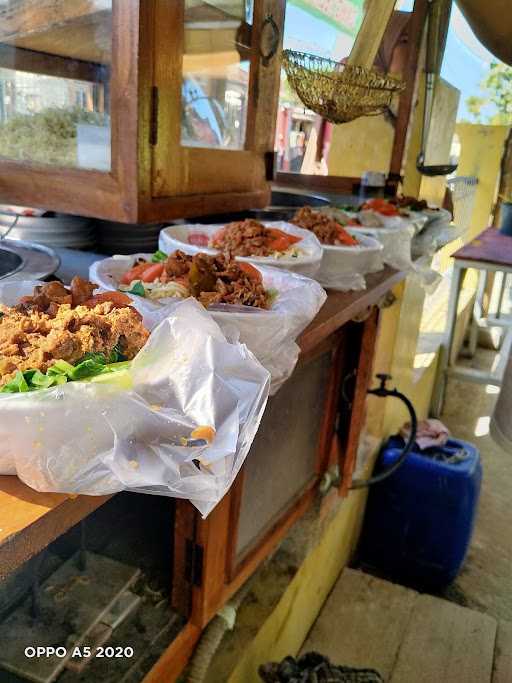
(409, 637)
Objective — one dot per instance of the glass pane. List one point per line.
(327, 28)
(216, 65)
(54, 82)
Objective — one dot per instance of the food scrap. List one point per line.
(328, 230)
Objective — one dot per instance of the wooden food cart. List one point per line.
(312, 423)
(174, 107)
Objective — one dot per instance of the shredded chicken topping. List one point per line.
(217, 279)
(325, 228)
(251, 238)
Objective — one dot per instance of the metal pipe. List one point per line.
(383, 392)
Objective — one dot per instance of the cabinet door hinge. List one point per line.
(153, 125)
(194, 563)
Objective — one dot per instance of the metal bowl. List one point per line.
(20, 260)
(284, 204)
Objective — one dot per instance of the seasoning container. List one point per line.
(372, 185)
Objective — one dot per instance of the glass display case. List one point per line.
(138, 110)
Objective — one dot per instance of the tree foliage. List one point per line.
(496, 90)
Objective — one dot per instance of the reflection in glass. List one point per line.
(216, 66)
(54, 82)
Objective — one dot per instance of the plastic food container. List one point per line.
(344, 268)
(396, 243)
(193, 239)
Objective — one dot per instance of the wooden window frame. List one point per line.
(349, 185)
(88, 192)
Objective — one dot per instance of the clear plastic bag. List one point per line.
(269, 334)
(177, 237)
(126, 431)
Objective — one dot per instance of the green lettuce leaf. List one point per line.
(138, 289)
(159, 257)
(90, 366)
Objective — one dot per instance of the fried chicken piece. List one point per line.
(216, 279)
(33, 339)
(44, 296)
(178, 264)
(81, 290)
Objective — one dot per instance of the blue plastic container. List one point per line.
(419, 522)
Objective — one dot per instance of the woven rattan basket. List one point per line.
(339, 92)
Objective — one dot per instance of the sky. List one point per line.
(465, 63)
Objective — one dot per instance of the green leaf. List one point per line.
(88, 368)
(61, 367)
(40, 381)
(138, 289)
(16, 385)
(96, 357)
(159, 257)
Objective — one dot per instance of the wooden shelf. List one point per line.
(29, 520)
(77, 30)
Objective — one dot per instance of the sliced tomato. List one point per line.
(119, 299)
(251, 272)
(199, 239)
(276, 234)
(381, 206)
(345, 238)
(152, 273)
(279, 244)
(134, 273)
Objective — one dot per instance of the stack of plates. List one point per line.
(52, 230)
(126, 238)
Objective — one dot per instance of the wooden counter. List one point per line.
(341, 307)
(29, 521)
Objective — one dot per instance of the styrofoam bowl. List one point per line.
(396, 242)
(344, 267)
(176, 237)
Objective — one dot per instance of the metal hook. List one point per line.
(13, 224)
(266, 57)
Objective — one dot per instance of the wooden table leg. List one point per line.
(446, 350)
(503, 284)
(478, 313)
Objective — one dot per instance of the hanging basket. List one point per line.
(339, 92)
